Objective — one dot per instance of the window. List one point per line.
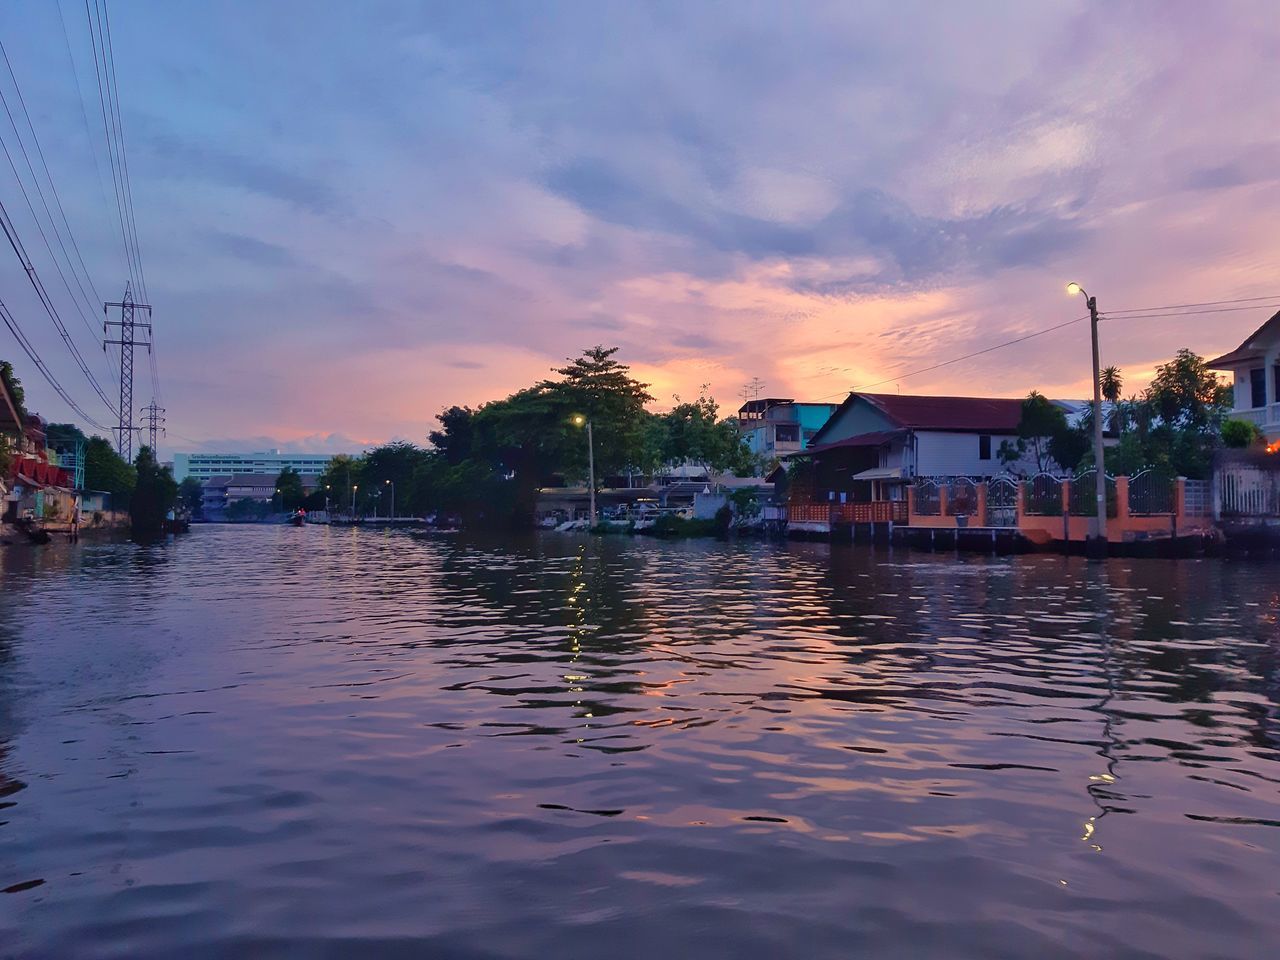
(984, 447)
(786, 433)
(1258, 386)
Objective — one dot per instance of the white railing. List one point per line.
(1257, 416)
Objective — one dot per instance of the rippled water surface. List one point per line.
(264, 741)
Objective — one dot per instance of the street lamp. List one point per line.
(579, 420)
(1100, 483)
(393, 497)
(327, 488)
(354, 488)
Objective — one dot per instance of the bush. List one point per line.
(669, 525)
(1240, 434)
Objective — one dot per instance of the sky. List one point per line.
(351, 216)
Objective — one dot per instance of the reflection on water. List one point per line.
(334, 743)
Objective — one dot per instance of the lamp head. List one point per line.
(386, 481)
(1074, 288)
(577, 419)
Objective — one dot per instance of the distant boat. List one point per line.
(299, 518)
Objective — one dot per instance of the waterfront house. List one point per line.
(1254, 367)
(876, 443)
(776, 426)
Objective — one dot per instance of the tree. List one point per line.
(106, 470)
(14, 386)
(1040, 423)
(342, 473)
(1186, 393)
(601, 389)
(454, 439)
(289, 489)
(154, 496)
(1112, 385)
(191, 495)
(696, 434)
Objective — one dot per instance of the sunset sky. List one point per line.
(352, 215)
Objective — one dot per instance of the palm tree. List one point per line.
(1112, 383)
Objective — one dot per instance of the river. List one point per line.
(268, 741)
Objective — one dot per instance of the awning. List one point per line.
(879, 473)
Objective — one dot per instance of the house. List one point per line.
(875, 444)
(776, 426)
(1255, 370)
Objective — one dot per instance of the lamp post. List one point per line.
(354, 488)
(393, 497)
(327, 488)
(1100, 482)
(578, 421)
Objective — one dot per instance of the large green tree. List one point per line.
(106, 470)
(289, 490)
(695, 433)
(154, 495)
(191, 495)
(338, 480)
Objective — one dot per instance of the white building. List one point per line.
(1255, 370)
(876, 444)
(203, 466)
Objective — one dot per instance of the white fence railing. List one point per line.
(1245, 490)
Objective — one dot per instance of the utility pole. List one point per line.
(129, 327)
(1100, 480)
(591, 470)
(153, 417)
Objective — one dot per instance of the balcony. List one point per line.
(1256, 415)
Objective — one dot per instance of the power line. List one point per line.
(16, 242)
(114, 94)
(53, 188)
(26, 196)
(1207, 303)
(99, 73)
(1176, 310)
(976, 353)
(1187, 313)
(84, 116)
(16, 330)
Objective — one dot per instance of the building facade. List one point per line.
(205, 466)
(876, 444)
(1254, 367)
(775, 426)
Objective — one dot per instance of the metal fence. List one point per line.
(1042, 495)
(927, 497)
(1151, 493)
(962, 497)
(1083, 497)
(1245, 490)
(1002, 502)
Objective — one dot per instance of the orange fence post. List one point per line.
(1122, 504)
(982, 505)
(944, 499)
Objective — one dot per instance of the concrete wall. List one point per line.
(956, 455)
